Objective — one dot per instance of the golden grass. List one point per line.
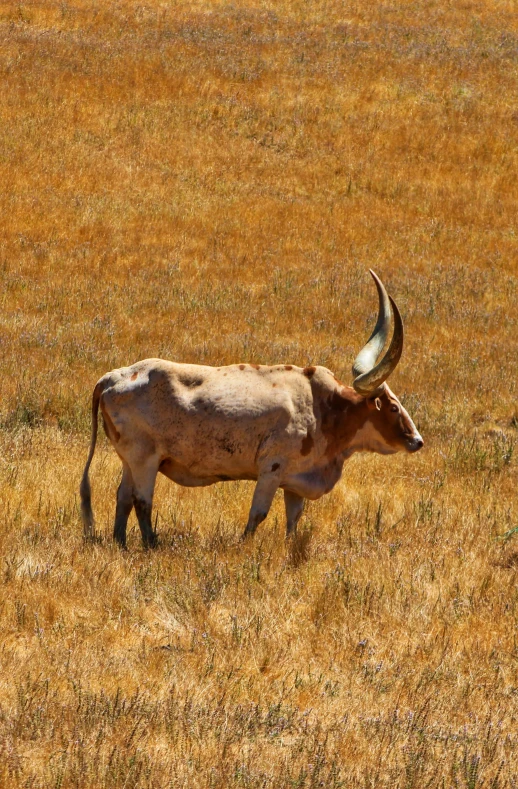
(209, 183)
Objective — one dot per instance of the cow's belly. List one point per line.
(196, 479)
(208, 457)
(311, 484)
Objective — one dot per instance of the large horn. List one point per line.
(368, 355)
(369, 375)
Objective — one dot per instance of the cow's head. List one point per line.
(389, 427)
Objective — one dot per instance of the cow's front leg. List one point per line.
(294, 505)
(264, 492)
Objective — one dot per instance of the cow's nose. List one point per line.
(418, 444)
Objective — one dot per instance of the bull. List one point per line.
(284, 426)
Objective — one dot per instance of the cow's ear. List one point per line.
(374, 403)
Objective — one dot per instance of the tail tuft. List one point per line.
(87, 514)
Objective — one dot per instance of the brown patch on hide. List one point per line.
(241, 366)
(134, 377)
(309, 372)
(288, 367)
(189, 381)
(226, 445)
(255, 366)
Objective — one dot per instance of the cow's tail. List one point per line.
(84, 491)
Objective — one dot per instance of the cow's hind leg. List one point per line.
(144, 477)
(294, 505)
(264, 492)
(124, 506)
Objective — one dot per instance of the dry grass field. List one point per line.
(209, 182)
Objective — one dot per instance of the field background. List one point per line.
(210, 182)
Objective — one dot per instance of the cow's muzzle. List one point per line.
(415, 444)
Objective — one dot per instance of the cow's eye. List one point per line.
(394, 408)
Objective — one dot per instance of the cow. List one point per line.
(284, 426)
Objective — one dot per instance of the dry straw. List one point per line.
(210, 183)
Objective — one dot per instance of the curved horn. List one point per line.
(368, 355)
(369, 382)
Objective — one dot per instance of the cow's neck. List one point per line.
(351, 428)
